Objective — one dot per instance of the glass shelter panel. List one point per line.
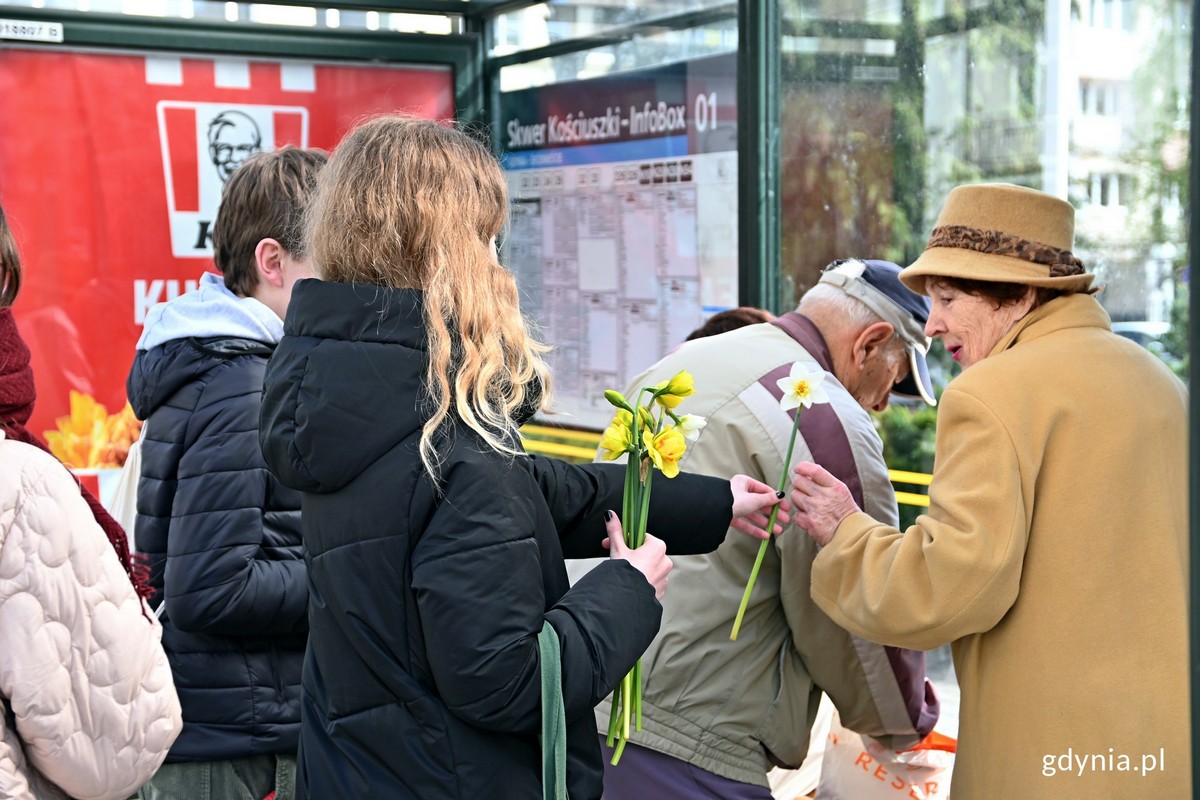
(267, 14)
(622, 169)
(545, 23)
(631, 53)
(886, 107)
(882, 113)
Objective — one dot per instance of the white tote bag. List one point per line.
(124, 503)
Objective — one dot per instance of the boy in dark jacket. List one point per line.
(221, 534)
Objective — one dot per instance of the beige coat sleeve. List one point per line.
(958, 569)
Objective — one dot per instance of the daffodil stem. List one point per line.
(637, 694)
(627, 692)
(741, 612)
(618, 751)
(634, 490)
(614, 716)
(630, 499)
(639, 531)
(762, 548)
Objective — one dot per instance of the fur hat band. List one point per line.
(1063, 262)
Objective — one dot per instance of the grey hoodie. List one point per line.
(210, 311)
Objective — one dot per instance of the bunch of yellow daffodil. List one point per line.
(652, 441)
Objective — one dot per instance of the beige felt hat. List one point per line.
(1004, 233)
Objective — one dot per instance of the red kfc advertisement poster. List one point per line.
(111, 168)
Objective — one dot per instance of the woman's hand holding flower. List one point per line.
(821, 500)
(650, 559)
(752, 504)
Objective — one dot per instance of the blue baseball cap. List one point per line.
(876, 284)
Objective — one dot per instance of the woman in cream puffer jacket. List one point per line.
(87, 706)
(85, 688)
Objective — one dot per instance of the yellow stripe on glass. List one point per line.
(579, 446)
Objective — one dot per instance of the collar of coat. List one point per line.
(1069, 311)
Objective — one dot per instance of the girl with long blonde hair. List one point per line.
(482, 361)
(435, 544)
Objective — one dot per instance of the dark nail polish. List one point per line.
(608, 515)
(779, 494)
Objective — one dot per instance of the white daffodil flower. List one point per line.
(690, 426)
(802, 387)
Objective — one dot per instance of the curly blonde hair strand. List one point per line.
(410, 203)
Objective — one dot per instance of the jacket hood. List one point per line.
(185, 337)
(157, 374)
(210, 311)
(344, 385)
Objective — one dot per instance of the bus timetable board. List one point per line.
(111, 168)
(624, 225)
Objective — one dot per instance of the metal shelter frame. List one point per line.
(759, 89)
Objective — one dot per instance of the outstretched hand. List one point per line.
(752, 504)
(822, 501)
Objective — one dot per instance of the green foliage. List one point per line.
(908, 430)
(1174, 342)
(908, 433)
(1160, 150)
(1159, 157)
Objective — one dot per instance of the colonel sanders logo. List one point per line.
(202, 145)
(233, 136)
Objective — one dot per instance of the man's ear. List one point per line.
(268, 260)
(871, 339)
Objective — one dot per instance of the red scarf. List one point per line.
(17, 394)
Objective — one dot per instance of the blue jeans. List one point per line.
(254, 778)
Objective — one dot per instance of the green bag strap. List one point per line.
(554, 717)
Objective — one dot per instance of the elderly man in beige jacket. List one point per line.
(1054, 553)
(717, 714)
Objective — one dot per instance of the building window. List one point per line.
(1098, 97)
(1125, 189)
(1110, 189)
(1115, 14)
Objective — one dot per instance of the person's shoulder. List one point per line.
(739, 338)
(478, 482)
(465, 452)
(34, 485)
(233, 348)
(165, 368)
(732, 360)
(233, 368)
(26, 468)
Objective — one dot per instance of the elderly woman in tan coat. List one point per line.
(1054, 552)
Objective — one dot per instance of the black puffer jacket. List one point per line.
(223, 538)
(422, 677)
